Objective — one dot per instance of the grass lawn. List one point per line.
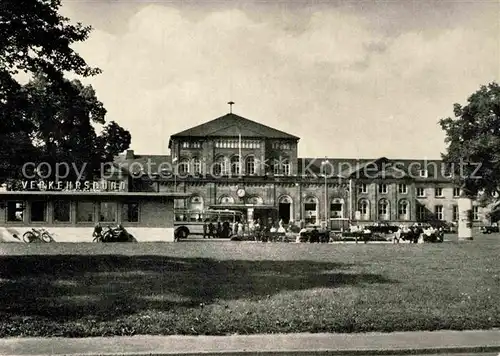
(221, 288)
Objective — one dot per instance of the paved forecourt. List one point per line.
(437, 342)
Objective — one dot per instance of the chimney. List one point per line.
(129, 154)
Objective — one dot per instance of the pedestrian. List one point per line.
(205, 228)
(219, 229)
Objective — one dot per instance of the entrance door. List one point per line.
(284, 212)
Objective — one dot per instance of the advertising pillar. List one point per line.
(464, 218)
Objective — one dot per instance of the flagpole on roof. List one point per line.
(239, 153)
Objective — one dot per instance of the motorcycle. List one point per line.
(114, 234)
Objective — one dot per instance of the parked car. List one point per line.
(489, 229)
(448, 227)
(382, 228)
(314, 234)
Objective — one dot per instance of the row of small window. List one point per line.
(403, 189)
(191, 144)
(438, 192)
(225, 166)
(383, 188)
(404, 211)
(61, 212)
(236, 144)
(445, 172)
(439, 212)
(383, 210)
(281, 146)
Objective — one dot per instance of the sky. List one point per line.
(352, 79)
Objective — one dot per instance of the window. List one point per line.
(455, 212)
(364, 209)
(438, 211)
(281, 146)
(196, 165)
(107, 212)
(421, 212)
(439, 192)
(363, 188)
(183, 167)
(402, 188)
(276, 168)
(248, 144)
(130, 212)
(475, 213)
(285, 165)
(84, 211)
(226, 200)
(310, 210)
(62, 211)
(423, 173)
(420, 192)
(196, 203)
(456, 192)
(191, 144)
(250, 165)
(383, 210)
(235, 165)
(220, 167)
(337, 208)
(38, 211)
(15, 211)
(403, 210)
(447, 171)
(382, 188)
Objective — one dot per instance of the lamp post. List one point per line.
(323, 164)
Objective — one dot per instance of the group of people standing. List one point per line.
(221, 229)
(257, 229)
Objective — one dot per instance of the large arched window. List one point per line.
(383, 210)
(404, 210)
(337, 208)
(364, 209)
(196, 165)
(196, 208)
(250, 165)
(235, 165)
(311, 208)
(220, 166)
(183, 166)
(255, 200)
(196, 203)
(226, 199)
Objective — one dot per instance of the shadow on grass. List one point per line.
(105, 287)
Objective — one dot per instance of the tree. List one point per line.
(62, 126)
(51, 118)
(34, 38)
(473, 143)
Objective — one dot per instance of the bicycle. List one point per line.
(37, 235)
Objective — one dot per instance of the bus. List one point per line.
(190, 222)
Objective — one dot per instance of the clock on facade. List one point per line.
(240, 192)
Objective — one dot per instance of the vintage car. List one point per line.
(489, 229)
(382, 228)
(314, 234)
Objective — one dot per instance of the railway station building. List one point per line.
(232, 162)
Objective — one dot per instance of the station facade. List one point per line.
(235, 163)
